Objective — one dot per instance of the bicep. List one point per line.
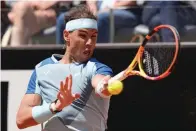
(28, 101)
(127, 3)
(32, 83)
(31, 100)
(24, 115)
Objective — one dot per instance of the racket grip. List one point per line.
(120, 76)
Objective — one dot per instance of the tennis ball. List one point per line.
(115, 87)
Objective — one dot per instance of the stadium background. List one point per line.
(169, 104)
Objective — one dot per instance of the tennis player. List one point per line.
(69, 92)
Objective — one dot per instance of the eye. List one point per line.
(83, 36)
(94, 36)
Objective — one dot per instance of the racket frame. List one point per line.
(130, 70)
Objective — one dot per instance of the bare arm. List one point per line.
(43, 5)
(32, 113)
(92, 5)
(101, 78)
(24, 116)
(121, 3)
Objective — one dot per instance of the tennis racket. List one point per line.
(154, 60)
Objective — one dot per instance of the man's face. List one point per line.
(82, 44)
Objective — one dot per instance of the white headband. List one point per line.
(81, 24)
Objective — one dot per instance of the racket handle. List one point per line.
(120, 76)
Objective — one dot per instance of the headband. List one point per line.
(81, 24)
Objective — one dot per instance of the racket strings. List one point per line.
(155, 63)
(157, 56)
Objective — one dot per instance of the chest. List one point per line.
(49, 80)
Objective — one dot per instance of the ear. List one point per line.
(66, 36)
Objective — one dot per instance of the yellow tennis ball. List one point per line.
(115, 87)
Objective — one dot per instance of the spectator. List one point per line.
(80, 103)
(125, 17)
(29, 18)
(60, 23)
(4, 19)
(175, 13)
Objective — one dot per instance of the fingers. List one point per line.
(69, 88)
(60, 98)
(62, 91)
(76, 96)
(66, 89)
(65, 84)
(65, 96)
(69, 83)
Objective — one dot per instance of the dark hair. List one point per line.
(80, 11)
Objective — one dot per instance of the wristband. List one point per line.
(42, 113)
(53, 108)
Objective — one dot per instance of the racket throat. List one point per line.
(131, 73)
(121, 76)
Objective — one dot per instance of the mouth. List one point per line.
(87, 52)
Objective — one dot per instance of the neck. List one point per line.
(67, 58)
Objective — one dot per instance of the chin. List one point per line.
(85, 59)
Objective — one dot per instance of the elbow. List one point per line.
(23, 122)
(20, 124)
(20, 120)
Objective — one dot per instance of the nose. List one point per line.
(89, 42)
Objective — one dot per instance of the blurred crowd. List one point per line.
(44, 20)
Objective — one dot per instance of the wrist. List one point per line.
(42, 113)
(53, 108)
(102, 90)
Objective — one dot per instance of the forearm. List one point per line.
(43, 5)
(31, 116)
(25, 119)
(125, 3)
(92, 5)
(20, 36)
(90, 2)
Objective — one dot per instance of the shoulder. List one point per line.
(32, 85)
(50, 60)
(95, 62)
(98, 67)
(45, 62)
